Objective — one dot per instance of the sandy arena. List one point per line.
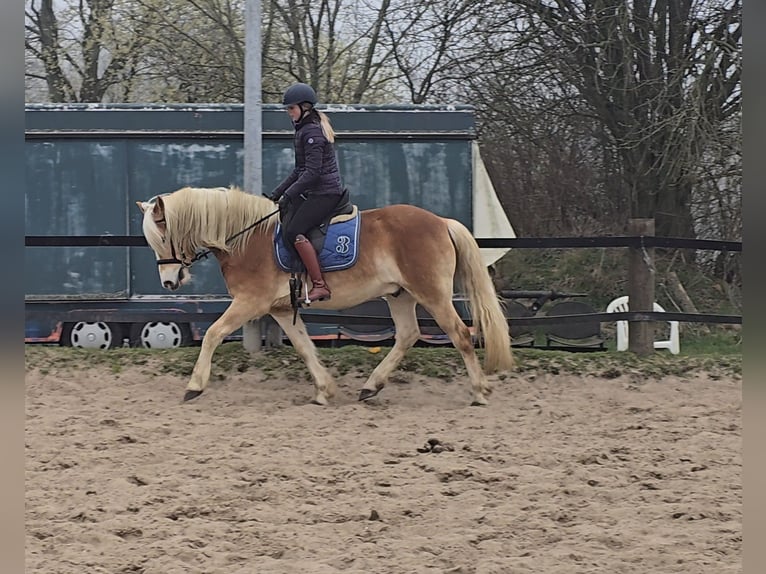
(560, 474)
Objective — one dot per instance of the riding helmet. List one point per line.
(299, 93)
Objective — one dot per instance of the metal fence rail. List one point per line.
(117, 316)
(42, 309)
(515, 242)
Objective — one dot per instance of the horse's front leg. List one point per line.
(304, 346)
(230, 320)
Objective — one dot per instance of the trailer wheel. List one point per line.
(91, 335)
(160, 335)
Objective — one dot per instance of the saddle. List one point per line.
(343, 211)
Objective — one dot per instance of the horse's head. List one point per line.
(172, 267)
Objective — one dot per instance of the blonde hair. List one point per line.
(324, 121)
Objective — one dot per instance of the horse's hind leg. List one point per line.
(304, 346)
(447, 317)
(402, 310)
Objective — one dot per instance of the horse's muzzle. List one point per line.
(173, 285)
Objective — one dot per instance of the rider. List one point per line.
(313, 189)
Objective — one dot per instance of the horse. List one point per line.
(408, 255)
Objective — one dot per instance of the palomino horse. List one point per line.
(408, 255)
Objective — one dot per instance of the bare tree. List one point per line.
(435, 44)
(83, 49)
(194, 52)
(335, 45)
(659, 75)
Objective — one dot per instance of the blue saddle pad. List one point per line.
(340, 249)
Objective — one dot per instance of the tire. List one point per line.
(92, 335)
(160, 335)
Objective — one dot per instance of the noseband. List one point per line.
(178, 261)
(173, 259)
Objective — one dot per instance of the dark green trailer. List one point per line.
(87, 165)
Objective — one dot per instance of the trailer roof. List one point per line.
(437, 121)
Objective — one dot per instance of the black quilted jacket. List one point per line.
(316, 166)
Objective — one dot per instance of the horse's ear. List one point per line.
(143, 205)
(159, 206)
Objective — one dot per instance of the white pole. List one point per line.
(253, 148)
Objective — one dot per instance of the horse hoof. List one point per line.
(365, 394)
(317, 403)
(191, 395)
(478, 404)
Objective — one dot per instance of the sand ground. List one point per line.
(560, 474)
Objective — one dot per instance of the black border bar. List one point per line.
(516, 242)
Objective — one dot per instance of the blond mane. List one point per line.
(198, 218)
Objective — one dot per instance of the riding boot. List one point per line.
(308, 255)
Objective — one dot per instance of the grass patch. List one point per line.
(719, 354)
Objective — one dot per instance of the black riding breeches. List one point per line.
(305, 214)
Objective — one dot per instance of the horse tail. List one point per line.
(490, 324)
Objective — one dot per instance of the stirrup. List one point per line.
(306, 293)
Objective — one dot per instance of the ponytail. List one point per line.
(324, 121)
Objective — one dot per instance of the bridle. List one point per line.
(174, 259)
(202, 254)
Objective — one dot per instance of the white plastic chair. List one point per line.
(621, 304)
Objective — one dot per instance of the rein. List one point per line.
(203, 254)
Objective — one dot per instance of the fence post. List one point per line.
(641, 288)
(272, 332)
(264, 330)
